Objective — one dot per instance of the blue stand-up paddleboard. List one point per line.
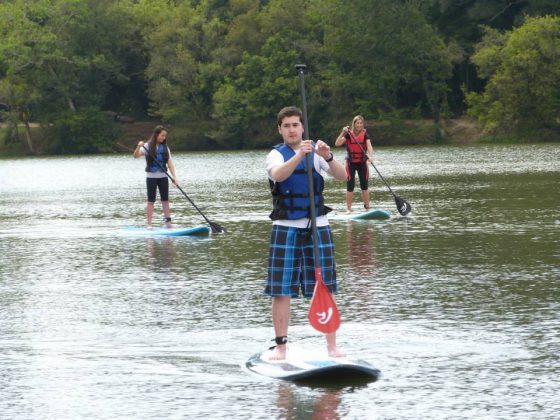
(376, 214)
(163, 231)
(312, 366)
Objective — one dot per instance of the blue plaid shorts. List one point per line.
(291, 265)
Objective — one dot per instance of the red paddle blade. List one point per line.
(323, 313)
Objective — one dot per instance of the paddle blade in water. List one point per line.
(323, 313)
(216, 228)
(402, 206)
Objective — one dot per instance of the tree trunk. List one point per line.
(28, 137)
(68, 99)
(71, 104)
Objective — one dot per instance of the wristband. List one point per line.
(330, 159)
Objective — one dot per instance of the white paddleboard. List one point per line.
(303, 365)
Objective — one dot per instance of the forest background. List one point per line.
(76, 76)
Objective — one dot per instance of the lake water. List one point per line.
(457, 304)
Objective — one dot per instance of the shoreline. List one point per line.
(459, 131)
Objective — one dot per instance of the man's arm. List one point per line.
(336, 169)
(281, 172)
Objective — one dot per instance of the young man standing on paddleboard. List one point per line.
(158, 160)
(291, 263)
(357, 142)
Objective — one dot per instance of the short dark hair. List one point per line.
(289, 111)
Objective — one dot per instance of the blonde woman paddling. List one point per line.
(357, 141)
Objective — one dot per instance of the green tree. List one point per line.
(265, 80)
(383, 56)
(461, 24)
(246, 102)
(184, 47)
(523, 71)
(61, 55)
(20, 49)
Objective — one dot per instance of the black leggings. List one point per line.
(162, 184)
(363, 174)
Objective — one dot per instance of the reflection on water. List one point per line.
(293, 405)
(360, 248)
(457, 304)
(161, 252)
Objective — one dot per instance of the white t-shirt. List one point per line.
(275, 158)
(157, 174)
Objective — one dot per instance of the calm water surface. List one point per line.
(457, 304)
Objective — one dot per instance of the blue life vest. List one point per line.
(151, 164)
(290, 198)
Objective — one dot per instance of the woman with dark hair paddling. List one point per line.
(158, 161)
(357, 141)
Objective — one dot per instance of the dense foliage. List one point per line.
(219, 70)
(523, 72)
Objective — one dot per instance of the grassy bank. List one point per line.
(12, 146)
(425, 132)
(385, 133)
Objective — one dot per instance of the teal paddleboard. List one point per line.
(376, 214)
(162, 231)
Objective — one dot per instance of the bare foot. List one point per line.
(335, 352)
(348, 211)
(149, 227)
(279, 353)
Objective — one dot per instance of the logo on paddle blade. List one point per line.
(325, 317)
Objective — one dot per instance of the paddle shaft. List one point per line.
(323, 313)
(309, 163)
